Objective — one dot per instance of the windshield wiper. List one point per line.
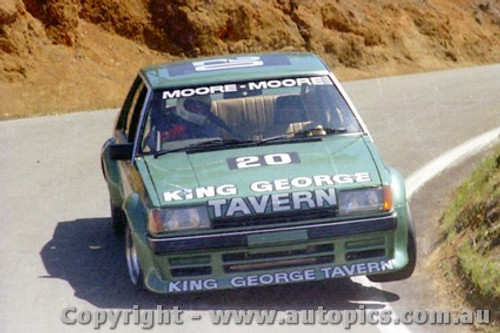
(308, 133)
(319, 131)
(220, 142)
(206, 144)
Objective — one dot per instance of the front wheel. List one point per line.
(134, 269)
(411, 248)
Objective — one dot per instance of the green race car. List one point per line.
(251, 170)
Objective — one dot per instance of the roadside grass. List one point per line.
(471, 225)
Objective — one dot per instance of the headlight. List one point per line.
(177, 219)
(365, 200)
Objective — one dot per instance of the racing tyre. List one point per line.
(411, 247)
(118, 220)
(134, 269)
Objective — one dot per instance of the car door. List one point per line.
(121, 173)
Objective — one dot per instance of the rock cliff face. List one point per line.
(92, 48)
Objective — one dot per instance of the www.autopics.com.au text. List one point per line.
(148, 318)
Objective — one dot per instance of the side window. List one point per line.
(126, 108)
(135, 113)
(131, 110)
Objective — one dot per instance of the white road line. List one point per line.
(417, 179)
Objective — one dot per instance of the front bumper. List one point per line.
(244, 238)
(274, 256)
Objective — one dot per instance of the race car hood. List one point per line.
(333, 162)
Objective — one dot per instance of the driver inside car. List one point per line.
(193, 119)
(190, 118)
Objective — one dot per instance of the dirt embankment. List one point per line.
(66, 55)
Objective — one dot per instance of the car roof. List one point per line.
(233, 68)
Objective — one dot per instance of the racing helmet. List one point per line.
(194, 109)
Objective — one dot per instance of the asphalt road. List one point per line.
(56, 245)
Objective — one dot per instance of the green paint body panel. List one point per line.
(330, 156)
(302, 64)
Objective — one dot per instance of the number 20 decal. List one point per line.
(256, 161)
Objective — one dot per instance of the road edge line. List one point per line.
(419, 178)
(455, 155)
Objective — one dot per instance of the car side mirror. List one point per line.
(121, 151)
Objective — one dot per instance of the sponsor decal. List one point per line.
(256, 161)
(295, 196)
(264, 186)
(246, 86)
(200, 192)
(192, 285)
(328, 272)
(271, 203)
(227, 63)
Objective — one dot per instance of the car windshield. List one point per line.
(255, 112)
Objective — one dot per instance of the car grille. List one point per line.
(249, 261)
(190, 266)
(246, 261)
(365, 249)
(274, 218)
